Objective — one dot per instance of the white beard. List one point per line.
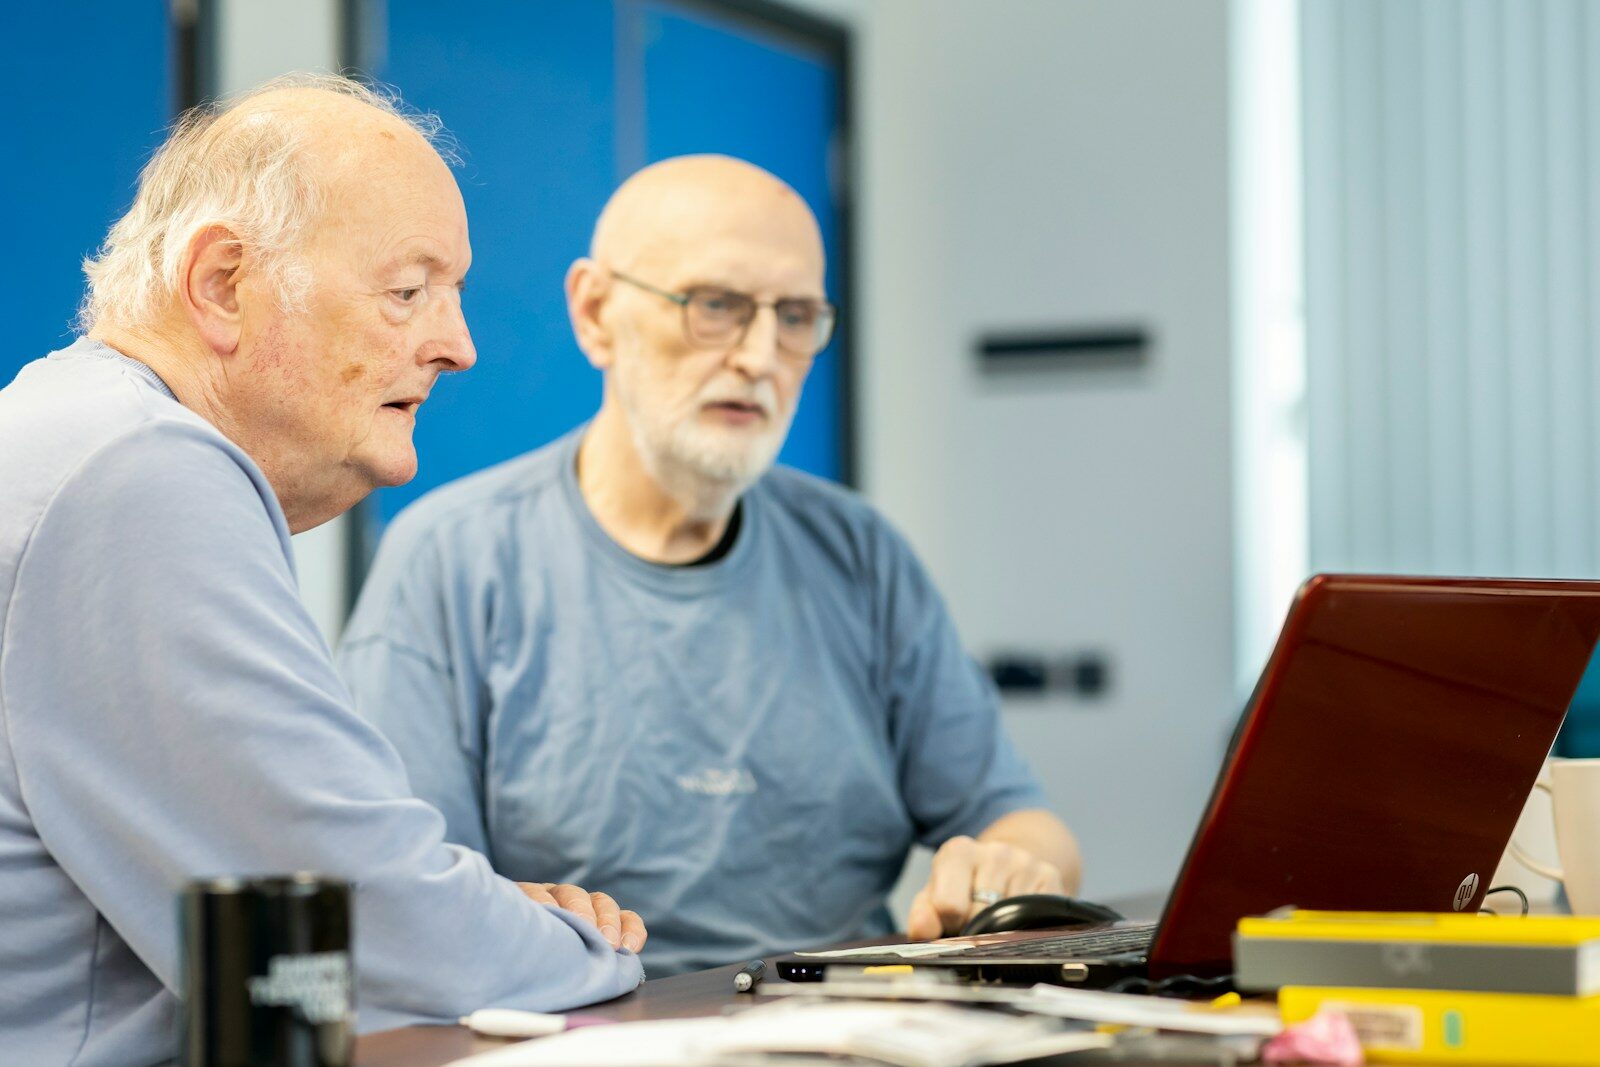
(704, 469)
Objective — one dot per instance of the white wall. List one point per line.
(1060, 162)
(257, 41)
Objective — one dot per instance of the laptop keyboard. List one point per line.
(1135, 937)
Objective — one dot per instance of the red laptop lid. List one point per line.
(1385, 756)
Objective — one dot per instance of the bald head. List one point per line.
(317, 105)
(341, 136)
(694, 204)
(265, 165)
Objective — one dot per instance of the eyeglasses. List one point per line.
(714, 317)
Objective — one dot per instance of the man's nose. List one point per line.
(453, 340)
(756, 356)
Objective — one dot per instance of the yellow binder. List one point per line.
(1422, 926)
(1534, 955)
(1445, 1027)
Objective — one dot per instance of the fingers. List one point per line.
(538, 892)
(634, 935)
(993, 874)
(1009, 871)
(608, 917)
(965, 869)
(1045, 879)
(1001, 871)
(951, 883)
(922, 924)
(574, 899)
(621, 929)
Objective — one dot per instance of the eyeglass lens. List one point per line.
(720, 316)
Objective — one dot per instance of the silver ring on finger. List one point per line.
(985, 896)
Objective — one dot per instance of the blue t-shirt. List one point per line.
(742, 751)
(169, 711)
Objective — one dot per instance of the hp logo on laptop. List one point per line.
(1466, 891)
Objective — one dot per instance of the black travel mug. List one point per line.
(267, 975)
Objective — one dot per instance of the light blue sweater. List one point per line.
(168, 710)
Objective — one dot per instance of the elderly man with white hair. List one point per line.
(645, 659)
(262, 327)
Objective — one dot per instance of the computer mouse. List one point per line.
(1034, 911)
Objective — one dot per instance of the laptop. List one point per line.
(1380, 765)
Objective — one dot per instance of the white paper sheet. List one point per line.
(903, 1035)
(1158, 1013)
(907, 952)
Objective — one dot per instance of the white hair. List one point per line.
(248, 175)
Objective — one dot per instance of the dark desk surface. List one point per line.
(702, 993)
(687, 995)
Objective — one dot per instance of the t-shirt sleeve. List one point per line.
(958, 770)
(410, 659)
(174, 714)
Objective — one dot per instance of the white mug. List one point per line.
(1574, 790)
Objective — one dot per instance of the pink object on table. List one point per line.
(1327, 1038)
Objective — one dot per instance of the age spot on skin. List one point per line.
(351, 372)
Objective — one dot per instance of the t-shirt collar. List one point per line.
(682, 580)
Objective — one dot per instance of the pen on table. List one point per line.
(509, 1022)
(749, 975)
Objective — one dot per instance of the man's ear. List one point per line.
(208, 287)
(587, 286)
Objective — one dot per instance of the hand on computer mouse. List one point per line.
(1038, 911)
(969, 875)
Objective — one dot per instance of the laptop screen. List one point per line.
(1385, 756)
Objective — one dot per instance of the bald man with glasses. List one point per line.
(646, 660)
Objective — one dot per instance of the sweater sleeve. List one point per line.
(175, 714)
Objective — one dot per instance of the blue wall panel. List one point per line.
(711, 85)
(89, 84)
(528, 91)
(531, 92)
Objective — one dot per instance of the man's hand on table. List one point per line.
(621, 929)
(968, 875)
